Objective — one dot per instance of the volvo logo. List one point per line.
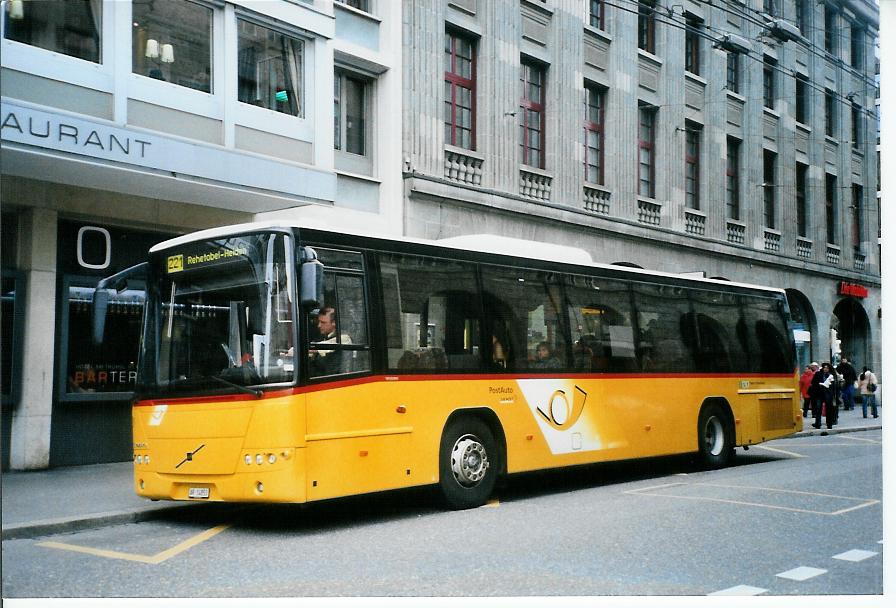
(189, 456)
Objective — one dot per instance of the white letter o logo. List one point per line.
(80, 247)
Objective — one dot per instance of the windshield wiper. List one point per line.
(245, 389)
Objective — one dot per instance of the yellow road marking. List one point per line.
(158, 558)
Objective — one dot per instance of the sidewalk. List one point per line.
(37, 503)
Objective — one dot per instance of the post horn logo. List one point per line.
(558, 412)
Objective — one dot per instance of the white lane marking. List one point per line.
(855, 555)
(861, 439)
(740, 590)
(765, 447)
(803, 573)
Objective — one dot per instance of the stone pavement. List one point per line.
(65, 499)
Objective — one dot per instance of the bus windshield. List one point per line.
(222, 317)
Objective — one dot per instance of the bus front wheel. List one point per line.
(715, 437)
(468, 463)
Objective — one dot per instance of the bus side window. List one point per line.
(765, 329)
(431, 309)
(662, 312)
(601, 322)
(523, 319)
(338, 341)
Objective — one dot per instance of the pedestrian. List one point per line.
(822, 391)
(848, 384)
(805, 383)
(867, 388)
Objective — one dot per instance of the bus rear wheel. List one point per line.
(715, 437)
(468, 463)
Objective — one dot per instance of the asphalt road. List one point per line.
(799, 516)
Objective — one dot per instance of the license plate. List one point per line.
(198, 493)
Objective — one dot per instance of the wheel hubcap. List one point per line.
(469, 460)
(714, 436)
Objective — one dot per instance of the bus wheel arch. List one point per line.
(716, 435)
(472, 454)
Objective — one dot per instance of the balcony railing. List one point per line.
(803, 248)
(694, 222)
(832, 254)
(772, 240)
(736, 232)
(535, 185)
(858, 261)
(463, 167)
(649, 213)
(596, 200)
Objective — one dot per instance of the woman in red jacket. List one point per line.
(805, 382)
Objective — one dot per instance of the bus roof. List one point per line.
(479, 243)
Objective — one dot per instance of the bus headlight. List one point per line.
(259, 459)
(272, 458)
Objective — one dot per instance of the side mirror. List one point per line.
(104, 290)
(101, 299)
(312, 295)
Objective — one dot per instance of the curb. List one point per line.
(63, 525)
(835, 431)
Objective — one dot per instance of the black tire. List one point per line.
(715, 437)
(468, 463)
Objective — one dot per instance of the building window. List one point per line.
(858, 194)
(270, 69)
(70, 28)
(532, 109)
(830, 31)
(802, 190)
(733, 73)
(768, 7)
(596, 13)
(349, 111)
(857, 124)
(802, 99)
(829, 118)
(173, 41)
(646, 26)
(361, 5)
(594, 134)
(801, 14)
(769, 187)
(692, 166)
(768, 82)
(646, 146)
(732, 179)
(692, 36)
(460, 91)
(830, 207)
(856, 46)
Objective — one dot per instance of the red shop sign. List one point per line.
(852, 289)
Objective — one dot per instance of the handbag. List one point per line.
(872, 388)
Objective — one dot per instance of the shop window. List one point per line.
(71, 28)
(10, 333)
(270, 69)
(171, 41)
(110, 367)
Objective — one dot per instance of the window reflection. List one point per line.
(270, 69)
(171, 40)
(72, 27)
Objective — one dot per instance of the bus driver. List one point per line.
(327, 361)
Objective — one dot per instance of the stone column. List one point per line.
(30, 436)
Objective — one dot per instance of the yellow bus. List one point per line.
(282, 363)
